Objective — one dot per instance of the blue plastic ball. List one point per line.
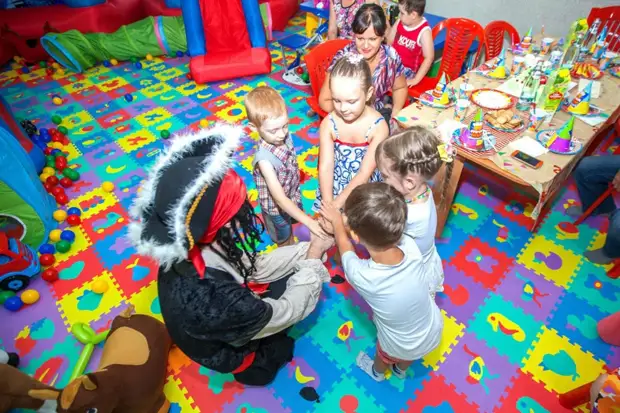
(55, 151)
(128, 97)
(107, 63)
(44, 131)
(25, 70)
(46, 138)
(47, 249)
(13, 303)
(187, 54)
(41, 145)
(67, 235)
(74, 211)
(138, 65)
(179, 54)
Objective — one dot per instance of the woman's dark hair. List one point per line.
(370, 14)
(241, 238)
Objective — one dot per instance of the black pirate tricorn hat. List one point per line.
(174, 205)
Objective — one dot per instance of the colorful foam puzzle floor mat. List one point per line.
(520, 309)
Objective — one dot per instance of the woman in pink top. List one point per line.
(341, 15)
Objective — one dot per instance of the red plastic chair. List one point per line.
(609, 16)
(460, 34)
(615, 133)
(494, 33)
(318, 60)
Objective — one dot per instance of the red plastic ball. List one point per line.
(61, 163)
(57, 190)
(299, 70)
(74, 220)
(47, 259)
(57, 138)
(52, 180)
(49, 71)
(50, 275)
(66, 182)
(48, 187)
(189, 76)
(48, 151)
(62, 199)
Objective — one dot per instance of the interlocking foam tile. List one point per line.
(557, 227)
(255, 400)
(468, 214)
(504, 327)
(134, 274)
(526, 289)
(348, 396)
(461, 296)
(146, 301)
(517, 208)
(80, 244)
(437, 396)
(114, 249)
(551, 260)
(329, 298)
(506, 236)
(88, 182)
(84, 305)
(180, 401)
(478, 372)
(526, 395)
(93, 202)
(559, 364)
(481, 262)
(452, 331)
(207, 387)
(74, 272)
(593, 285)
(452, 239)
(54, 366)
(106, 222)
(576, 319)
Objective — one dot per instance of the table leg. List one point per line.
(443, 209)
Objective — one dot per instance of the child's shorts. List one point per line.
(409, 73)
(387, 359)
(279, 227)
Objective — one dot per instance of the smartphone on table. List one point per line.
(526, 159)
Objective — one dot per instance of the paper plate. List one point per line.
(492, 99)
(544, 135)
(574, 74)
(594, 110)
(427, 99)
(487, 138)
(513, 130)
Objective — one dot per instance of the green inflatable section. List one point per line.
(17, 210)
(154, 35)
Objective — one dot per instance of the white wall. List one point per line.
(556, 15)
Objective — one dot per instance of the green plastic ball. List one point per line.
(43, 64)
(165, 134)
(56, 119)
(63, 246)
(4, 295)
(71, 174)
(134, 60)
(305, 77)
(63, 130)
(51, 164)
(50, 158)
(57, 154)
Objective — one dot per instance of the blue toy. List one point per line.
(47, 249)
(13, 303)
(18, 264)
(67, 235)
(74, 211)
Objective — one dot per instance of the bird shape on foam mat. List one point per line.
(460, 209)
(345, 332)
(502, 324)
(503, 233)
(567, 230)
(585, 324)
(560, 363)
(530, 292)
(550, 259)
(528, 405)
(478, 372)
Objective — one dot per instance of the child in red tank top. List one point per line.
(411, 37)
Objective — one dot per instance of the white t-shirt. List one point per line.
(408, 321)
(421, 226)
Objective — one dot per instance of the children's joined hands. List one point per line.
(316, 229)
(330, 212)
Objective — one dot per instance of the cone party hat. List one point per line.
(580, 105)
(561, 139)
(499, 70)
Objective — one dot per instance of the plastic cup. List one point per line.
(537, 117)
(460, 109)
(545, 45)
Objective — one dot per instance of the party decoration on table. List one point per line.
(441, 97)
(526, 42)
(600, 46)
(496, 69)
(615, 71)
(440, 87)
(586, 71)
(580, 105)
(492, 99)
(474, 137)
(504, 120)
(579, 26)
(561, 141)
(553, 93)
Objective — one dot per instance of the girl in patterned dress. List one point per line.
(341, 15)
(350, 134)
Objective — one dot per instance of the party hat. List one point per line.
(475, 126)
(499, 71)
(561, 139)
(580, 105)
(528, 35)
(440, 88)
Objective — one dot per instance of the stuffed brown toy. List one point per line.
(131, 373)
(14, 391)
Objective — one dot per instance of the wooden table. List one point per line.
(542, 183)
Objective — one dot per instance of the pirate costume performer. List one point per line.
(226, 307)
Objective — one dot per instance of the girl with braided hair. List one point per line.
(408, 161)
(225, 306)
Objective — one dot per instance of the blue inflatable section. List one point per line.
(194, 29)
(254, 21)
(36, 154)
(19, 173)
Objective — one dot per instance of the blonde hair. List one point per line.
(353, 65)
(263, 103)
(414, 150)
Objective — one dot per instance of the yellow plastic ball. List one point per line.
(60, 72)
(60, 215)
(44, 176)
(149, 57)
(113, 62)
(56, 145)
(107, 186)
(30, 296)
(99, 286)
(55, 65)
(49, 170)
(55, 235)
(204, 123)
(57, 101)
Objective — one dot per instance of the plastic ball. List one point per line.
(25, 70)
(13, 303)
(66, 182)
(52, 180)
(59, 215)
(43, 64)
(56, 153)
(43, 177)
(56, 65)
(204, 123)
(55, 235)
(47, 259)
(49, 171)
(305, 77)
(66, 235)
(47, 151)
(180, 54)
(50, 275)
(44, 131)
(165, 134)
(107, 63)
(149, 57)
(107, 186)
(138, 65)
(63, 246)
(4, 295)
(128, 97)
(62, 199)
(57, 138)
(56, 119)
(113, 62)
(57, 101)
(71, 174)
(46, 249)
(30, 296)
(63, 130)
(45, 138)
(133, 59)
(61, 163)
(60, 72)
(299, 70)
(74, 220)
(189, 76)
(58, 190)
(74, 211)
(48, 187)
(99, 286)
(49, 71)
(56, 145)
